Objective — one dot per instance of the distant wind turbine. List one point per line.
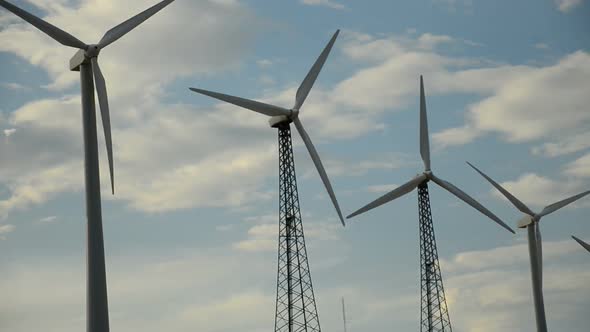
(295, 305)
(434, 312)
(281, 115)
(86, 61)
(344, 315)
(531, 222)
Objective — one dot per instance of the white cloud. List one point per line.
(563, 145)
(547, 102)
(540, 191)
(325, 3)
(9, 132)
(264, 237)
(218, 24)
(345, 167)
(12, 86)
(245, 307)
(453, 5)
(48, 220)
(567, 6)
(541, 46)
(430, 41)
(489, 290)
(382, 188)
(264, 63)
(5, 229)
(185, 168)
(187, 283)
(38, 188)
(580, 167)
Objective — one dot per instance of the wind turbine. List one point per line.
(531, 222)
(296, 308)
(86, 61)
(434, 312)
(344, 315)
(582, 243)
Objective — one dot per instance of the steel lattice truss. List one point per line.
(296, 308)
(434, 315)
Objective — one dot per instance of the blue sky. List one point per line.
(190, 235)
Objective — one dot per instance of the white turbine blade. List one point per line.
(556, 206)
(517, 203)
(424, 141)
(539, 252)
(252, 105)
(52, 31)
(582, 243)
(390, 196)
(469, 200)
(318, 164)
(310, 78)
(123, 28)
(103, 101)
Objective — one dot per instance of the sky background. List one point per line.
(191, 233)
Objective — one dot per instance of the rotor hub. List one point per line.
(92, 51)
(279, 120)
(525, 221)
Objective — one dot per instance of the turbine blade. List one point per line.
(582, 243)
(390, 196)
(103, 101)
(318, 164)
(517, 203)
(123, 28)
(539, 253)
(52, 31)
(469, 200)
(556, 206)
(252, 105)
(424, 141)
(313, 73)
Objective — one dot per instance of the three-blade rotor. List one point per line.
(534, 217)
(427, 175)
(91, 54)
(291, 114)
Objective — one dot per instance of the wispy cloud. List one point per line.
(540, 191)
(325, 3)
(567, 6)
(9, 132)
(48, 220)
(541, 46)
(524, 107)
(579, 167)
(12, 86)
(5, 229)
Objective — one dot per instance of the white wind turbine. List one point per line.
(531, 222)
(283, 115)
(86, 61)
(427, 175)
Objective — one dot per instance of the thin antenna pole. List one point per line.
(344, 314)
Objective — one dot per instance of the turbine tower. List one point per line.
(344, 315)
(582, 243)
(295, 303)
(86, 62)
(531, 222)
(434, 314)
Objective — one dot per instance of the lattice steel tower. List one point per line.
(434, 314)
(296, 308)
